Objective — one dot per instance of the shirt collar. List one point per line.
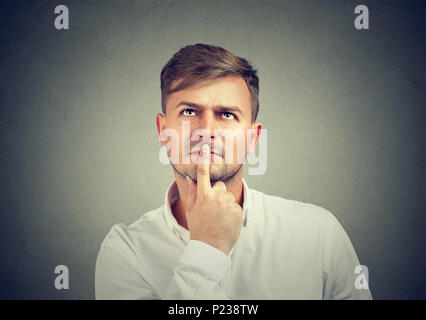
(172, 195)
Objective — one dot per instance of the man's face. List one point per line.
(217, 112)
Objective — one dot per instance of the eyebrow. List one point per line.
(219, 107)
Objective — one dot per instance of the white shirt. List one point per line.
(286, 250)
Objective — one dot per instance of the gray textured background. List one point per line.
(344, 109)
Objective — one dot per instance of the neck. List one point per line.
(235, 186)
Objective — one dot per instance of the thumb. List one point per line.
(191, 191)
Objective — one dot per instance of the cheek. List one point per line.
(234, 146)
(171, 134)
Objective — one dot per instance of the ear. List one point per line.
(161, 125)
(253, 137)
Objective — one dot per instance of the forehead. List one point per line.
(226, 91)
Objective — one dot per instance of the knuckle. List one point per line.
(205, 197)
(230, 196)
(223, 204)
(219, 186)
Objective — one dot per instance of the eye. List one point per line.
(228, 115)
(188, 112)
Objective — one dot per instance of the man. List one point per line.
(214, 238)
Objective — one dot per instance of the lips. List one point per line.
(211, 152)
(197, 152)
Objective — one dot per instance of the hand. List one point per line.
(212, 214)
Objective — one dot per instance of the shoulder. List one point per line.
(292, 210)
(128, 235)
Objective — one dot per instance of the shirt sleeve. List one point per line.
(199, 273)
(116, 277)
(340, 263)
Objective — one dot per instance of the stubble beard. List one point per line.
(224, 173)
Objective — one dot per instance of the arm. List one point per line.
(340, 263)
(117, 276)
(198, 273)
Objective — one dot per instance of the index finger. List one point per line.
(203, 170)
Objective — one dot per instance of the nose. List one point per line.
(206, 125)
